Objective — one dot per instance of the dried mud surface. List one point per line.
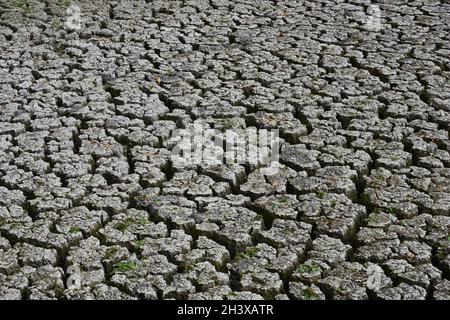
(359, 209)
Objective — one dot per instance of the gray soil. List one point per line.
(360, 208)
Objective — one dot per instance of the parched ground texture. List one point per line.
(360, 208)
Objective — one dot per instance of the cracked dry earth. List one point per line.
(359, 210)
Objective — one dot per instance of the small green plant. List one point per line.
(15, 225)
(187, 267)
(373, 219)
(340, 291)
(110, 252)
(321, 194)
(124, 266)
(143, 221)
(284, 199)
(125, 224)
(59, 49)
(23, 5)
(250, 253)
(333, 203)
(378, 176)
(138, 244)
(75, 230)
(361, 104)
(309, 268)
(309, 294)
(64, 3)
(392, 210)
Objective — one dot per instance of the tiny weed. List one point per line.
(110, 252)
(373, 219)
(23, 5)
(15, 225)
(392, 210)
(123, 225)
(309, 294)
(250, 253)
(321, 194)
(75, 230)
(340, 291)
(138, 244)
(64, 3)
(143, 221)
(187, 267)
(309, 268)
(124, 266)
